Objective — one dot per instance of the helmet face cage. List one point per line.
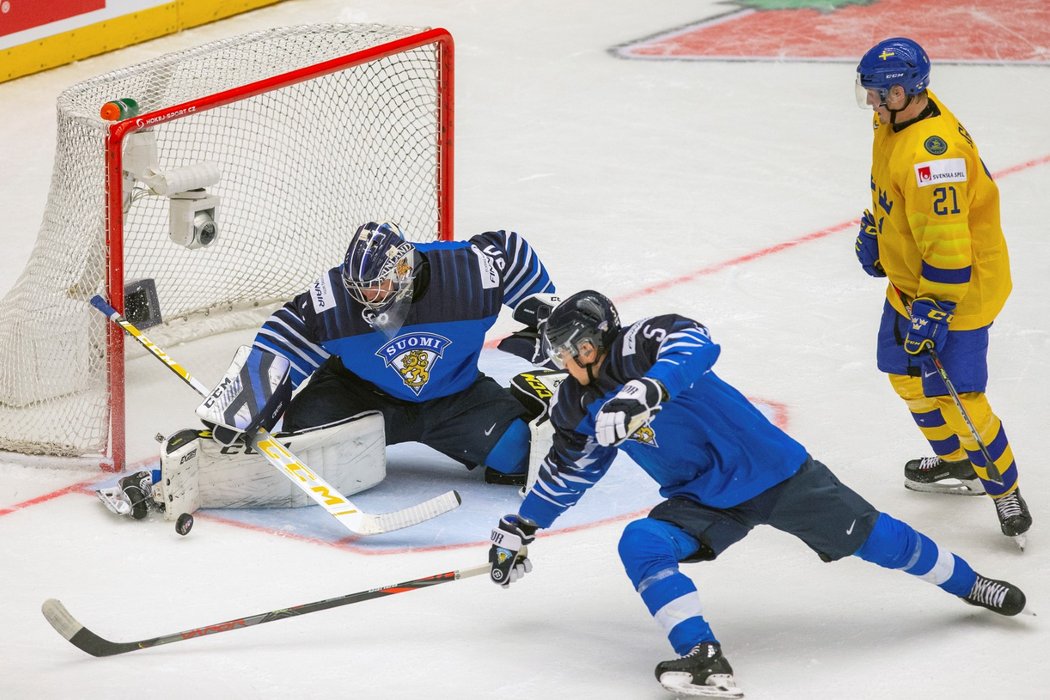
(569, 346)
(585, 318)
(379, 266)
(897, 61)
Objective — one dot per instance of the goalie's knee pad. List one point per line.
(198, 472)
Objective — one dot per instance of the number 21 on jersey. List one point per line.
(945, 201)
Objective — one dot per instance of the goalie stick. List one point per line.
(86, 640)
(325, 495)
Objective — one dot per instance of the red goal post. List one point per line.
(284, 141)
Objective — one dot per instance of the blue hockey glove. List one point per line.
(630, 409)
(507, 554)
(867, 246)
(929, 325)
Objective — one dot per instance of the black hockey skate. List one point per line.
(701, 672)
(935, 475)
(493, 476)
(1014, 516)
(138, 489)
(132, 496)
(998, 596)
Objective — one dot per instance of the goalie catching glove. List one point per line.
(507, 555)
(633, 406)
(252, 395)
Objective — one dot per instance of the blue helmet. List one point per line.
(379, 265)
(896, 61)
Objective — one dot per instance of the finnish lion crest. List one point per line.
(413, 357)
(645, 435)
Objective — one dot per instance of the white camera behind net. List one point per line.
(192, 213)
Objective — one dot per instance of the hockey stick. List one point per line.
(87, 641)
(323, 493)
(992, 470)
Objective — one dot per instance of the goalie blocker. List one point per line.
(253, 394)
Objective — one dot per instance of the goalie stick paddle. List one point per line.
(323, 493)
(87, 641)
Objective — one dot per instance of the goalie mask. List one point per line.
(378, 271)
(585, 318)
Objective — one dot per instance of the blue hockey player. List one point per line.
(389, 341)
(399, 328)
(722, 467)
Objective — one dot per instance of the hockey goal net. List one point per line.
(286, 140)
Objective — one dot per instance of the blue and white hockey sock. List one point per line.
(650, 551)
(897, 545)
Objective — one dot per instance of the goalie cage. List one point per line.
(302, 133)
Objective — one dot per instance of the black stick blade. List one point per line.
(80, 636)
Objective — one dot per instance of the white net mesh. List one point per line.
(300, 168)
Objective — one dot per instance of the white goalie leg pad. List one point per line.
(542, 437)
(349, 454)
(179, 488)
(538, 392)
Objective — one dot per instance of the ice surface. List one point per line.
(671, 186)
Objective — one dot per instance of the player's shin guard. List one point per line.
(894, 544)
(650, 551)
(998, 448)
(928, 416)
(992, 434)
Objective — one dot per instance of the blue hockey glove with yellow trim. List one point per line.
(867, 246)
(929, 325)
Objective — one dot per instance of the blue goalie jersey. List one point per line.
(435, 352)
(708, 442)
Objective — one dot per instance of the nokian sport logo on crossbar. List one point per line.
(934, 172)
(167, 116)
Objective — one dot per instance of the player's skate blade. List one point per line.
(716, 686)
(703, 672)
(951, 487)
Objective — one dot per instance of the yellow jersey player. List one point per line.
(933, 231)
